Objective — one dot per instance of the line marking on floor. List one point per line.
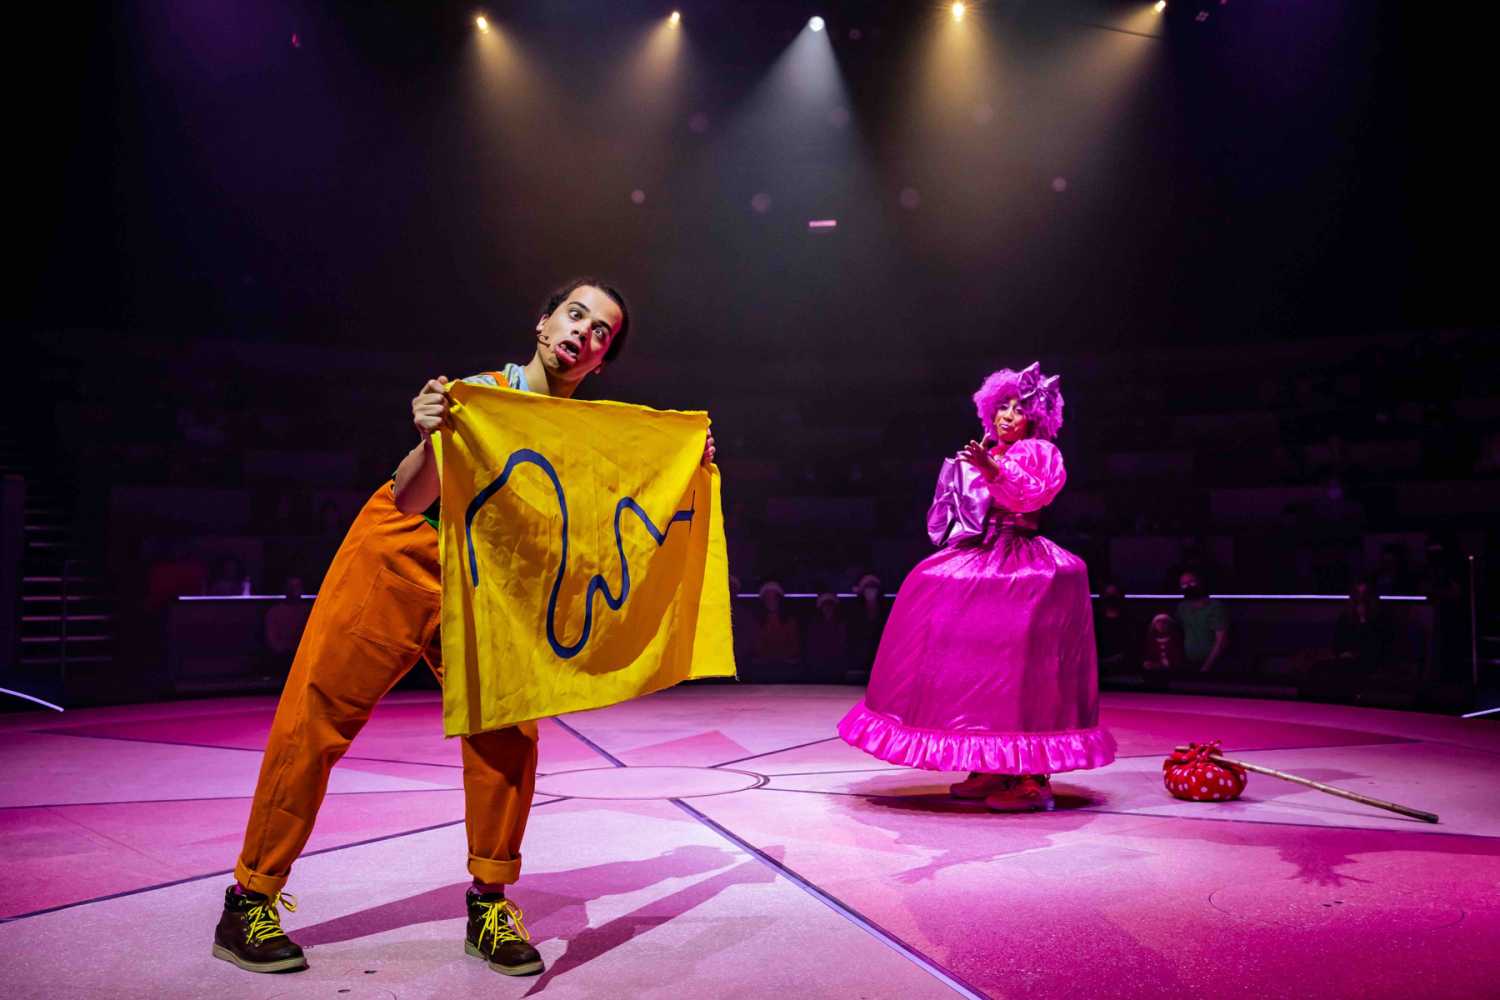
(772, 753)
(1417, 826)
(230, 871)
(835, 904)
(217, 746)
(435, 790)
(219, 874)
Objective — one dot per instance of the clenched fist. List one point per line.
(429, 408)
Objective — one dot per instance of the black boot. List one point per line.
(250, 935)
(497, 935)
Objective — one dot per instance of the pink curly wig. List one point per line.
(1041, 399)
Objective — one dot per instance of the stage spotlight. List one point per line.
(482, 23)
(958, 11)
(816, 24)
(1161, 5)
(675, 19)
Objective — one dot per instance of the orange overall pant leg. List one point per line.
(376, 614)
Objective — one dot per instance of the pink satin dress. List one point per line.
(988, 660)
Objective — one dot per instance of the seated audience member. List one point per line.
(1393, 573)
(826, 651)
(1488, 462)
(1364, 635)
(228, 578)
(1163, 648)
(283, 627)
(1204, 622)
(172, 573)
(1114, 631)
(1446, 586)
(866, 623)
(1363, 638)
(777, 639)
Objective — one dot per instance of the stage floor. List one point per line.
(719, 841)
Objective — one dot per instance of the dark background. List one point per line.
(1283, 168)
(1253, 244)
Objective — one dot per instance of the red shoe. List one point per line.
(978, 784)
(1032, 793)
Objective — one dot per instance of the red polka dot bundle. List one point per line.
(1191, 774)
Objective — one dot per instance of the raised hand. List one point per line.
(429, 408)
(708, 449)
(979, 456)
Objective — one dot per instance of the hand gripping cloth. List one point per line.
(583, 557)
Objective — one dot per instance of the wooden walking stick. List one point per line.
(1342, 793)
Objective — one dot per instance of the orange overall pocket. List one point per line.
(397, 613)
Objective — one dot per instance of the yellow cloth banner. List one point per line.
(583, 556)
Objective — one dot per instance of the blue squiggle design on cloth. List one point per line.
(526, 455)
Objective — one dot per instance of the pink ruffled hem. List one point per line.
(992, 753)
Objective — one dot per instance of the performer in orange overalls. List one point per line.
(376, 615)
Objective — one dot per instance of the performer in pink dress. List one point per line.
(988, 663)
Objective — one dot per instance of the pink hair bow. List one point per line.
(1031, 383)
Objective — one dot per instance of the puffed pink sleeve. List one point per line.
(1031, 476)
(959, 504)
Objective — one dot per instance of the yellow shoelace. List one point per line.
(497, 923)
(265, 922)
